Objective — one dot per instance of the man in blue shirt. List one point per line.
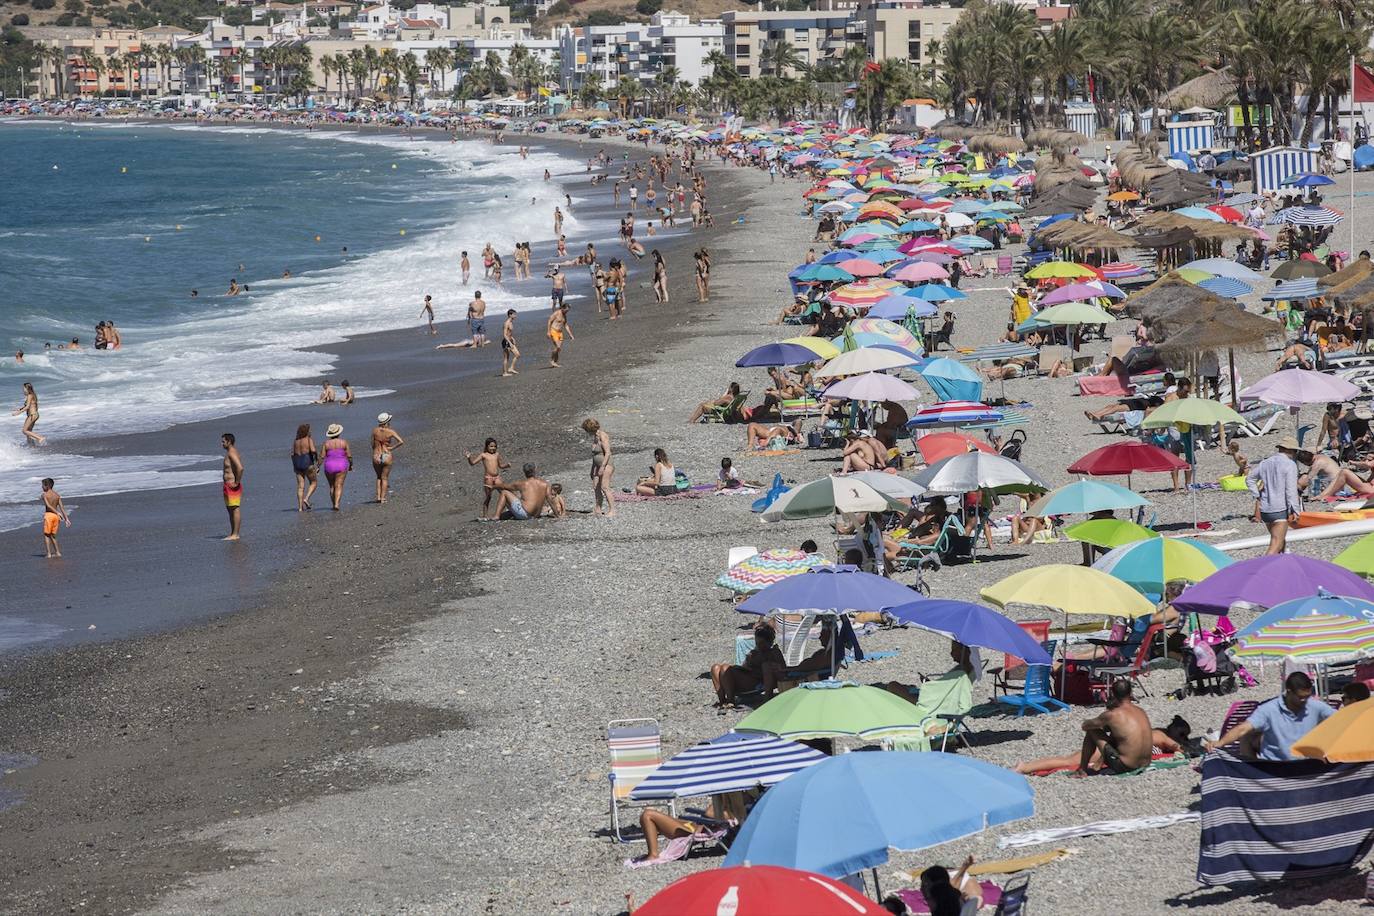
(1282, 721)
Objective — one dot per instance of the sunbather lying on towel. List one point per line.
(760, 664)
(1337, 477)
(1119, 740)
(760, 436)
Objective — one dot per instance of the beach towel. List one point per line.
(674, 497)
(916, 902)
(769, 452)
(1157, 762)
(678, 847)
(1019, 864)
(1270, 820)
(1096, 828)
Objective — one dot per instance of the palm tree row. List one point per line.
(1286, 57)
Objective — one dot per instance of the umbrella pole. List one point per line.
(1235, 397)
(877, 887)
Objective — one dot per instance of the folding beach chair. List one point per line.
(724, 414)
(1102, 676)
(1014, 666)
(1013, 902)
(943, 704)
(636, 747)
(1035, 693)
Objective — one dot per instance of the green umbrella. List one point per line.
(1358, 557)
(1074, 313)
(833, 709)
(1194, 411)
(1109, 532)
(913, 324)
(849, 342)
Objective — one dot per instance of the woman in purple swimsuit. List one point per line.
(338, 461)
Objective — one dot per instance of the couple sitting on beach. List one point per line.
(764, 667)
(529, 498)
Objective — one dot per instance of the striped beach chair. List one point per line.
(636, 747)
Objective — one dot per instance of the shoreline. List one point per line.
(225, 693)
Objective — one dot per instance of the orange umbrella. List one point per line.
(1121, 196)
(1346, 737)
(938, 446)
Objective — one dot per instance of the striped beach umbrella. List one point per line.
(1148, 565)
(1226, 287)
(1314, 638)
(763, 569)
(862, 292)
(881, 327)
(953, 413)
(731, 763)
(1121, 270)
(1310, 215)
(1294, 291)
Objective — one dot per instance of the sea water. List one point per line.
(122, 221)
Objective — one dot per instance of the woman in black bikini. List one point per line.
(305, 462)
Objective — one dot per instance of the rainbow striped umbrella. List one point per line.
(763, 569)
(894, 332)
(1314, 637)
(862, 292)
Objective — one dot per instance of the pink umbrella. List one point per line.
(861, 267)
(933, 256)
(1295, 387)
(1074, 292)
(918, 272)
(872, 386)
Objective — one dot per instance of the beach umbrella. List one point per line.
(1194, 411)
(935, 292)
(1074, 313)
(1123, 196)
(861, 267)
(823, 348)
(951, 380)
(1125, 459)
(1050, 270)
(833, 709)
(1310, 215)
(954, 413)
(1268, 581)
(824, 273)
(827, 496)
(1358, 557)
(1222, 267)
(864, 359)
(918, 272)
(862, 292)
(1071, 589)
(972, 625)
(1086, 496)
(758, 890)
(778, 354)
(884, 255)
(894, 332)
(891, 485)
(1121, 270)
(1295, 387)
(732, 762)
(1346, 737)
(1323, 602)
(872, 386)
(970, 242)
(766, 568)
(937, 446)
(1199, 213)
(831, 589)
(1150, 564)
(842, 816)
(1226, 287)
(1309, 639)
(1229, 214)
(1108, 532)
(1299, 268)
(895, 308)
(1078, 291)
(1307, 180)
(970, 471)
(1298, 290)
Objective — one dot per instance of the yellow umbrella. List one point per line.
(1071, 589)
(1346, 737)
(818, 345)
(1065, 269)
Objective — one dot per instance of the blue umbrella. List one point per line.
(885, 255)
(731, 763)
(952, 380)
(967, 206)
(894, 308)
(1085, 496)
(823, 273)
(918, 225)
(1057, 218)
(828, 588)
(1294, 291)
(834, 257)
(842, 815)
(1225, 286)
(1323, 602)
(778, 354)
(935, 292)
(971, 242)
(1307, 180)
(972, 625)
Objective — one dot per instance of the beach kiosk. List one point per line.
(1190, 137)
(1270, 167)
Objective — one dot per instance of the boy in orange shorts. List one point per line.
(54, 513)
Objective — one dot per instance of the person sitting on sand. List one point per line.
(818, 665)
(327, 395)
(760, 436)
(1119, 740)
(731, 392)
(730, 681)
(558, 506)
(1338, 478)
(348, 396)
(662, 479)
(863, 453)
(523, 500)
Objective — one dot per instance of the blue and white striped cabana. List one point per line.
(1189, 136)
(1270, 167)
(1082, 118)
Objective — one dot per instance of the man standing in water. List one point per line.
(557, 222)
(233, 483)
(466, 266)
(509, 352)
(558, 328)
(477, 323)
(53, 513)
(560, 284)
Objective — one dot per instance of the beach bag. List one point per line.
(1233, 483)
(680, 481)
(815, 439)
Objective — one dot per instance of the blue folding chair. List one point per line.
(1035, 694)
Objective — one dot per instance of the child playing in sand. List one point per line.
(558, 507)
(1242, 463)
(492, 466)
(729, 477)
(53, 513)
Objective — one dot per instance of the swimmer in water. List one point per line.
(233, 287)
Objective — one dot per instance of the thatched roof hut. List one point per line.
(996, 143)
(1212, 89)
(1357, 269)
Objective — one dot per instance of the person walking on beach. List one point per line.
(305, 461)
(660, 278)
(477, 319)
(53, 514)
(466, 266)
(385, 440)
(557, 329)
(1277, 492)
(30, 411)
(427, 312)
(703, 266)
(603, 471)
(509, 351)
(338, 461)
(233, 484)
(492, 466)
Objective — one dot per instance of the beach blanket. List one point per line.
(916, 902)
(1157, 762)
(678, 847)
(1270, 820)
(1096, 828)
(770, 452)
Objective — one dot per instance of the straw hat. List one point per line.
(383, 418)
(1288, 443)
(335, 430)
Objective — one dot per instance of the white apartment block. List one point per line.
(638, 50)
(817, 36)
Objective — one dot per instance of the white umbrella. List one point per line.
(890, 485)
(872, 386)
(971, 471)
(828, 496)
(1223, 267)
(865, 359)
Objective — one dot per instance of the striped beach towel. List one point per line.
(1268, 820)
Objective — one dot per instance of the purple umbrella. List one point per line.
(972, 625)
(1074, 292)
(1268, 581)
(829, 588)
(1294, 387)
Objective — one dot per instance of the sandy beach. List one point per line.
(409, 713)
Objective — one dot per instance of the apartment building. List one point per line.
(816, 35)
(902, 29)
(638, 50)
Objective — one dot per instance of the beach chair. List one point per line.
(1035, 693)
(1102, 676)
(1004, 265)
(636, 747)
(1013, 902)
(944, 704)
(1051, 354)
(929, 556)
(724, 414)
(799, 408)
(1014, 665)
(1259, 420)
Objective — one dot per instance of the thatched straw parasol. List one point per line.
(1212, 89)
(1356, 270)
(996, 143)
(1074, 234)
(1226, 327)
(1166, 294)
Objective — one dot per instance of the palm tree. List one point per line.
(438, 61)
(1063, 61)
(494, 74)
(408, 71)
(359, 69)
(590, 92)
(780, 58)
(326, 68)
(371, 57)
(628, 90)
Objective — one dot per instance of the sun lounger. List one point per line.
(1105, 386)
(726, 413)
(1258, 421)
(636, 747)
(796, 408)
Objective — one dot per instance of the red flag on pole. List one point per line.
(1364, 85)
(871, 67)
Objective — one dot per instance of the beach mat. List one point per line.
(1158, 762)
(770, 452)
(1097, 828)
(676, 497)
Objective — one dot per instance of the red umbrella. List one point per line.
(938, 446)
(1126, 458)
(1230, 214)
(758, 890)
